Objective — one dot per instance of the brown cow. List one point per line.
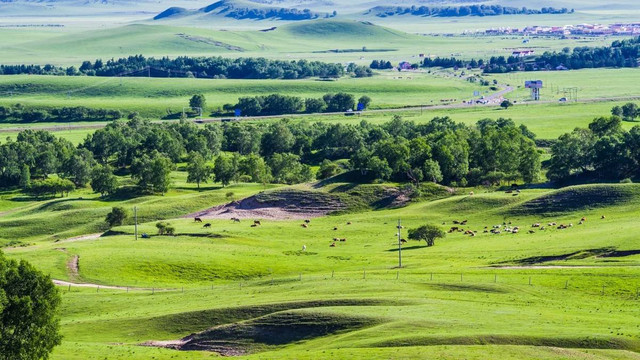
(332, 245)
(257, 222)
(197, 220)
(304, 225)
(403, 241)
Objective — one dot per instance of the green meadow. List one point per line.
(315, 40)
(280, 290)
(563, 293)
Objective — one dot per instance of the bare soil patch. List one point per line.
(282, 205)
(81, 238)
(72, 266)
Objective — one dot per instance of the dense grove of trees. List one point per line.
(282, 152)
(468, 10)
(201, 67)
(621, 53)
(19, 113)
(276, 104)
(381, 64)
(603, 150)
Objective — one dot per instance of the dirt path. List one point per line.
(95, 286)
(72, 267)
(81, 238)
(169, 344)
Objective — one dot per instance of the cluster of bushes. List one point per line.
(276, 104)
(50, 187)
(469, 10)
(201, 67)
(603, 150)
(621, 53)
(19, 113)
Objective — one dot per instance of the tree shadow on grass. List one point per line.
(414, 247)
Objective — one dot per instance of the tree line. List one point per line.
(276, 104)
(621, 53)
(381, 65)
(603, 150)
(19, 113)
(272, 13)
(440, 151)
(468, 10)
(200, 67)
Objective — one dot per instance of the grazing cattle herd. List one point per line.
(507, 227)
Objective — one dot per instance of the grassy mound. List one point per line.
(560, 342)
(342, 28)
(271, 330)
(195, 321)
(576, 198)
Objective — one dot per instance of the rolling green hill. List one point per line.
(252, 291)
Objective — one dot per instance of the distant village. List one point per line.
(566, 30)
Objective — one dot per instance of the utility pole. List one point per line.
(135, 217)
(399, 244)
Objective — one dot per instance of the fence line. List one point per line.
(558, 282)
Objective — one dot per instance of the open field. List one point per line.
(546, 120)
(445, 302)
(307, 40)
(152, 97)
(329, 287)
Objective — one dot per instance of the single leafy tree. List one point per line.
(428, 233)
(198, 170)
(629, 111)
(505, 104)
(29, 326)
(328, 169)
(198, 101)
(223, 170)
(153, 173)
(365, 101)
(117, 216)
(25, 177)
(103, 180)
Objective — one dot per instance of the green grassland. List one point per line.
(305, 40)
(547, 121)
(153, 97)
(249, 284)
